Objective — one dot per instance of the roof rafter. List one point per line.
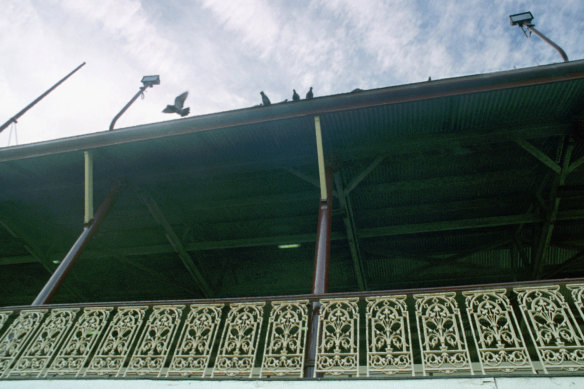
(176, 243)
(539, 155)
(552, 213)
(352, 239)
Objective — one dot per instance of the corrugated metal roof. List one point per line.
(234, 185)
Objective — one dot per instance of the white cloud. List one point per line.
(225, 52)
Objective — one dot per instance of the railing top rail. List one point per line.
(310, 297)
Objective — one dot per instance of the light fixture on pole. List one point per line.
(523, 20)
(147, 82)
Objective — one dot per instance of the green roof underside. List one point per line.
(452, 182)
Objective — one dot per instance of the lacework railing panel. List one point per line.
(441, 334)
(197, 337)
(552, 327)
(73, 355)
(498, 339)
(389, 340)
(154, 344)
(117, 341)
(18, 334)
(37, 354)
(338, 337)
(4, 315)
(239, 340)
(286, 339)
(174, 340)
(577, 292)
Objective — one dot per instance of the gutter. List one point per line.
(306, 109)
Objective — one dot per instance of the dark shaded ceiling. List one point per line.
(451, 182)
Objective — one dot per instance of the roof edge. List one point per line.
(479, 83)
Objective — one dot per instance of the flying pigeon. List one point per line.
(178, 106)
(295, 96)
(265, 99)
(309, 94)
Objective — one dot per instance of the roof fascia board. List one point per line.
(319, 106)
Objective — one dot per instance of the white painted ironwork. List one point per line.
(4, 315)
(23, 328)
(552, 327)
(192, 354)
(239, 340)
(498, 339)
(441, 334)
(72, 356)
(154, 344)
(155, 341)
(114, 347)
(577, 292)
(38, 352)
(285, 339)
(338, 337)
(389, 340)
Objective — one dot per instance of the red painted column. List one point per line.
(321, 273)
(67, 263)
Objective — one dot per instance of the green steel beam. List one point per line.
(400, 145)
(176, 243)
(551, 214)
(156, 274)
(575, 259)
(576, 164)
(361, 176)
(401, 229)
(351, 231)
(28, 244)
(35, 252)
(17, 260)
(539, 155)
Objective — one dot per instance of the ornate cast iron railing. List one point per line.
(525, 329)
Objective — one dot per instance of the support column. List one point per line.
(321, 252)
(88, 216)
(67, 263)
(551, 213)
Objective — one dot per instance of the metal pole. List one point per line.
(549, 41)
(67, 263)
(23, 111)
(115, 119)
(321, 252)
(88, 157)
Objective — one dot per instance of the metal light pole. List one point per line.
(523, 20)
(23, 111)
(148, 82)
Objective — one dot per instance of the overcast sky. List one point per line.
(224, 52)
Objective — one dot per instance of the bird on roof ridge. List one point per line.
(309, 94)
(179, 102)
(295, 96)
(265, 99)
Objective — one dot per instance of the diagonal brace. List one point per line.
(552, 214)
(353, 240)
(361, 176)
(539, 155)
(176, 243)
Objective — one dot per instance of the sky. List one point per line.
(224, 52)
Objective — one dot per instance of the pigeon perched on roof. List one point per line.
(178, 106)
(309, 94)
(265, 99)
(295, 96)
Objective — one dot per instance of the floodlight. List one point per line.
(150, 81)
(524, 21)
(147, 82)
(521, 19)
